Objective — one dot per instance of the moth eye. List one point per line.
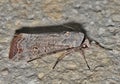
(84, 46)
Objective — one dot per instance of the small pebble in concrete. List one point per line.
(116, 17)
(41, 75)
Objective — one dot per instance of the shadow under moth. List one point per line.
(31, 43)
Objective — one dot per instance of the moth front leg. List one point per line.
(62, 56)
(83, 54)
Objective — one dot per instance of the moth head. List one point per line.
(86, 43)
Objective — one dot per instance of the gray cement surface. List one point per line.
(101, 18)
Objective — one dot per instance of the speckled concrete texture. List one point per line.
(101, 18)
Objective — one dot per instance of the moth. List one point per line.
(31, 43)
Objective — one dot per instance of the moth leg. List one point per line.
(85, 44)
(61, 57)
(83, 54)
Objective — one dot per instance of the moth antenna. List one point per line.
(97, 43)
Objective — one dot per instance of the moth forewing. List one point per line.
(34, 45)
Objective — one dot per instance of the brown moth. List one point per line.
(32, 43)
